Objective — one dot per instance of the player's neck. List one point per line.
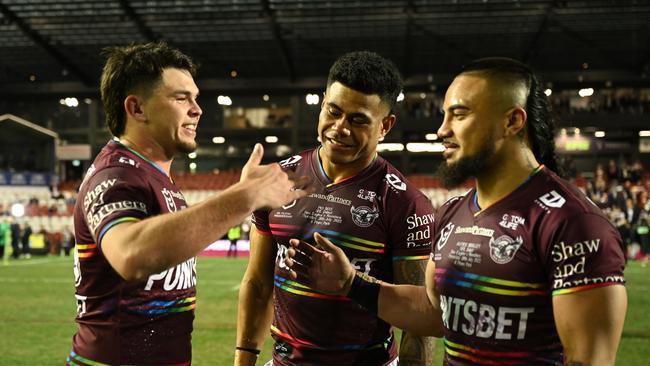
(507, 172)
(338, 172)
(149, 150)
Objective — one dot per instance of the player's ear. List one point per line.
(386, 124)
(322, 103)
(133, 108)
(516, 121)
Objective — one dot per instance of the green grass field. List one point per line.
(37, 309)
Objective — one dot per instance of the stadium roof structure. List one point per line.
(15, 128)
(53, 46)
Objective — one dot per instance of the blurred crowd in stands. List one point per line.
(35, 220)
(621, 191)
(620, 101)
(23, 240)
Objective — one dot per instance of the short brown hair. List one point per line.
(135, 68)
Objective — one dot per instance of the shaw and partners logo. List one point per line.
(94, 218)
(571, 258)
(419, 230)
(475, 230)
(96, 195)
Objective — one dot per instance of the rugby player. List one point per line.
(524, 269)
(135, 271)
(361, 203)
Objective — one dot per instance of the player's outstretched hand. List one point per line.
(325, 269)
(272, 187)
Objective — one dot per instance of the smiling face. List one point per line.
(173, 113)
(469, 128)
(350, 125)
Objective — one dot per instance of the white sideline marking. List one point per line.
(39, 280)
(28, 262)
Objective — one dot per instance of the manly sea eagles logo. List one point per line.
(364, 216)
(503, 249)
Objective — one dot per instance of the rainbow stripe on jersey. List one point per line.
(302, 344)
(411, 258)
(302, 290)
(113, 223)
(491, 285)
(571, 290)
(85, 251)
(482, 357)
(76, 360)
(157, 307)
(338, 238)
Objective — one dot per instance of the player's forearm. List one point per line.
(585, 341)
(255, 312)
(590, 354)
(155, 244)
(408, 307)
(574, 360)
(416, 350)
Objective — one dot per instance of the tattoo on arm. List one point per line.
(413, 350)
(409, 272)
(416, 351)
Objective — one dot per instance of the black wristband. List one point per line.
(249, 350)
(365, 292)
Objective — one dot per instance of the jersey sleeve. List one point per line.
(115, 195)
(411, 229)
(260, 219)
(581, 253)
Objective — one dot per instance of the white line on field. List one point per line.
(29, 262)
(34, 280)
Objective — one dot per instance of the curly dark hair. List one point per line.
(135, 68)
(540, 127)
(369, 73)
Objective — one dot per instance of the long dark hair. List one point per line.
(540, 128)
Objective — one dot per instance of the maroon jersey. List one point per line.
(498, 269)
(135, 323)
(377, 218)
